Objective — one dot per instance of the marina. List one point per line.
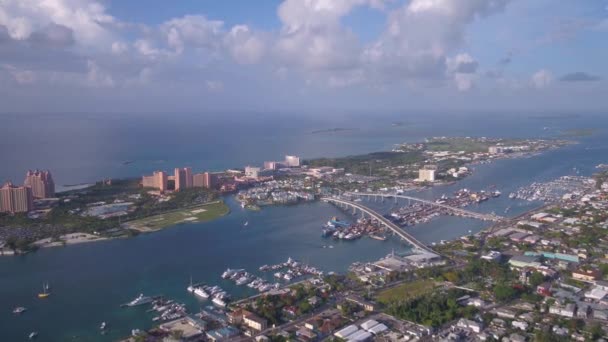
(416, 213)
(206, 249)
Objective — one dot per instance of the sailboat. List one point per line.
(45, 291)
(190, 288)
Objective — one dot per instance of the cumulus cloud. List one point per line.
(462, 69)
(313, 37)
(53, 35)
(462, 63)
(246, 46)
(97, 77)
(119, 48)
(19, 75)
(195, 31)
(87, 20)
(542, 79)
(579, 76)
(421, 34)
(214, 85)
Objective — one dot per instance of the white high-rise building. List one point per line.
(292, 161)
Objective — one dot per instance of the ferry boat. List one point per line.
(200, 292)
(45, 291)
(19, 310)
(140, 300)
(219, 302)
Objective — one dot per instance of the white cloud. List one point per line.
(462, 63)
(542, 78)
(119, 48)
(86, 18)
(313, 37)
(214, 85)
(98, 77)
(422, 33)
(194, 31)
(245, 46)
(21, 76)
(462, 69)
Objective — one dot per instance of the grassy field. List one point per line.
(202, 213)
(406, 291)
(458, 144)
(575, 133)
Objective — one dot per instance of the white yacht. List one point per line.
(219, 302)
(18, 310)
(140, 300)
(242, 280)
(199, 292)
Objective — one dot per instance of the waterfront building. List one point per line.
(292, 161)
(209, 180)
(158, 180)
(183, 178)
(271, 165)
(426, 174)
(16, 199)
(41, 183)
(252, 171)
(495, 149)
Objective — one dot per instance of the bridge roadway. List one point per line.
(390, 225)
(463, 212)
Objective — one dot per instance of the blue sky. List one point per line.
(306, 56)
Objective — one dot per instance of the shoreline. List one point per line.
(78, 238)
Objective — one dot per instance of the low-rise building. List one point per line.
(586, 275)
(521, 261)
(470, 325)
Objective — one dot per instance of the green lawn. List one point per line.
(202, 213)
(458, 144)
(406, 291)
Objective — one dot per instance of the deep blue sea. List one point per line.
(90, 281)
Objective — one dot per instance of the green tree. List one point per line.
(504, 293)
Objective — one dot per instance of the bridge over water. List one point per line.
(388, 224)
(455, 210)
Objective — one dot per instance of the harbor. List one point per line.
(416, 213)
(80, 274)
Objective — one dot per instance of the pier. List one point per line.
(388, 224)
(455, 210)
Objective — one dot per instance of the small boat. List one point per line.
(18, 310)
(219, 302)
(140, 300)
(45, 291)
(102, 326)
(32, 335)
(246, 224)
(200, 292)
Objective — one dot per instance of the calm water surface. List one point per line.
(90, 281)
